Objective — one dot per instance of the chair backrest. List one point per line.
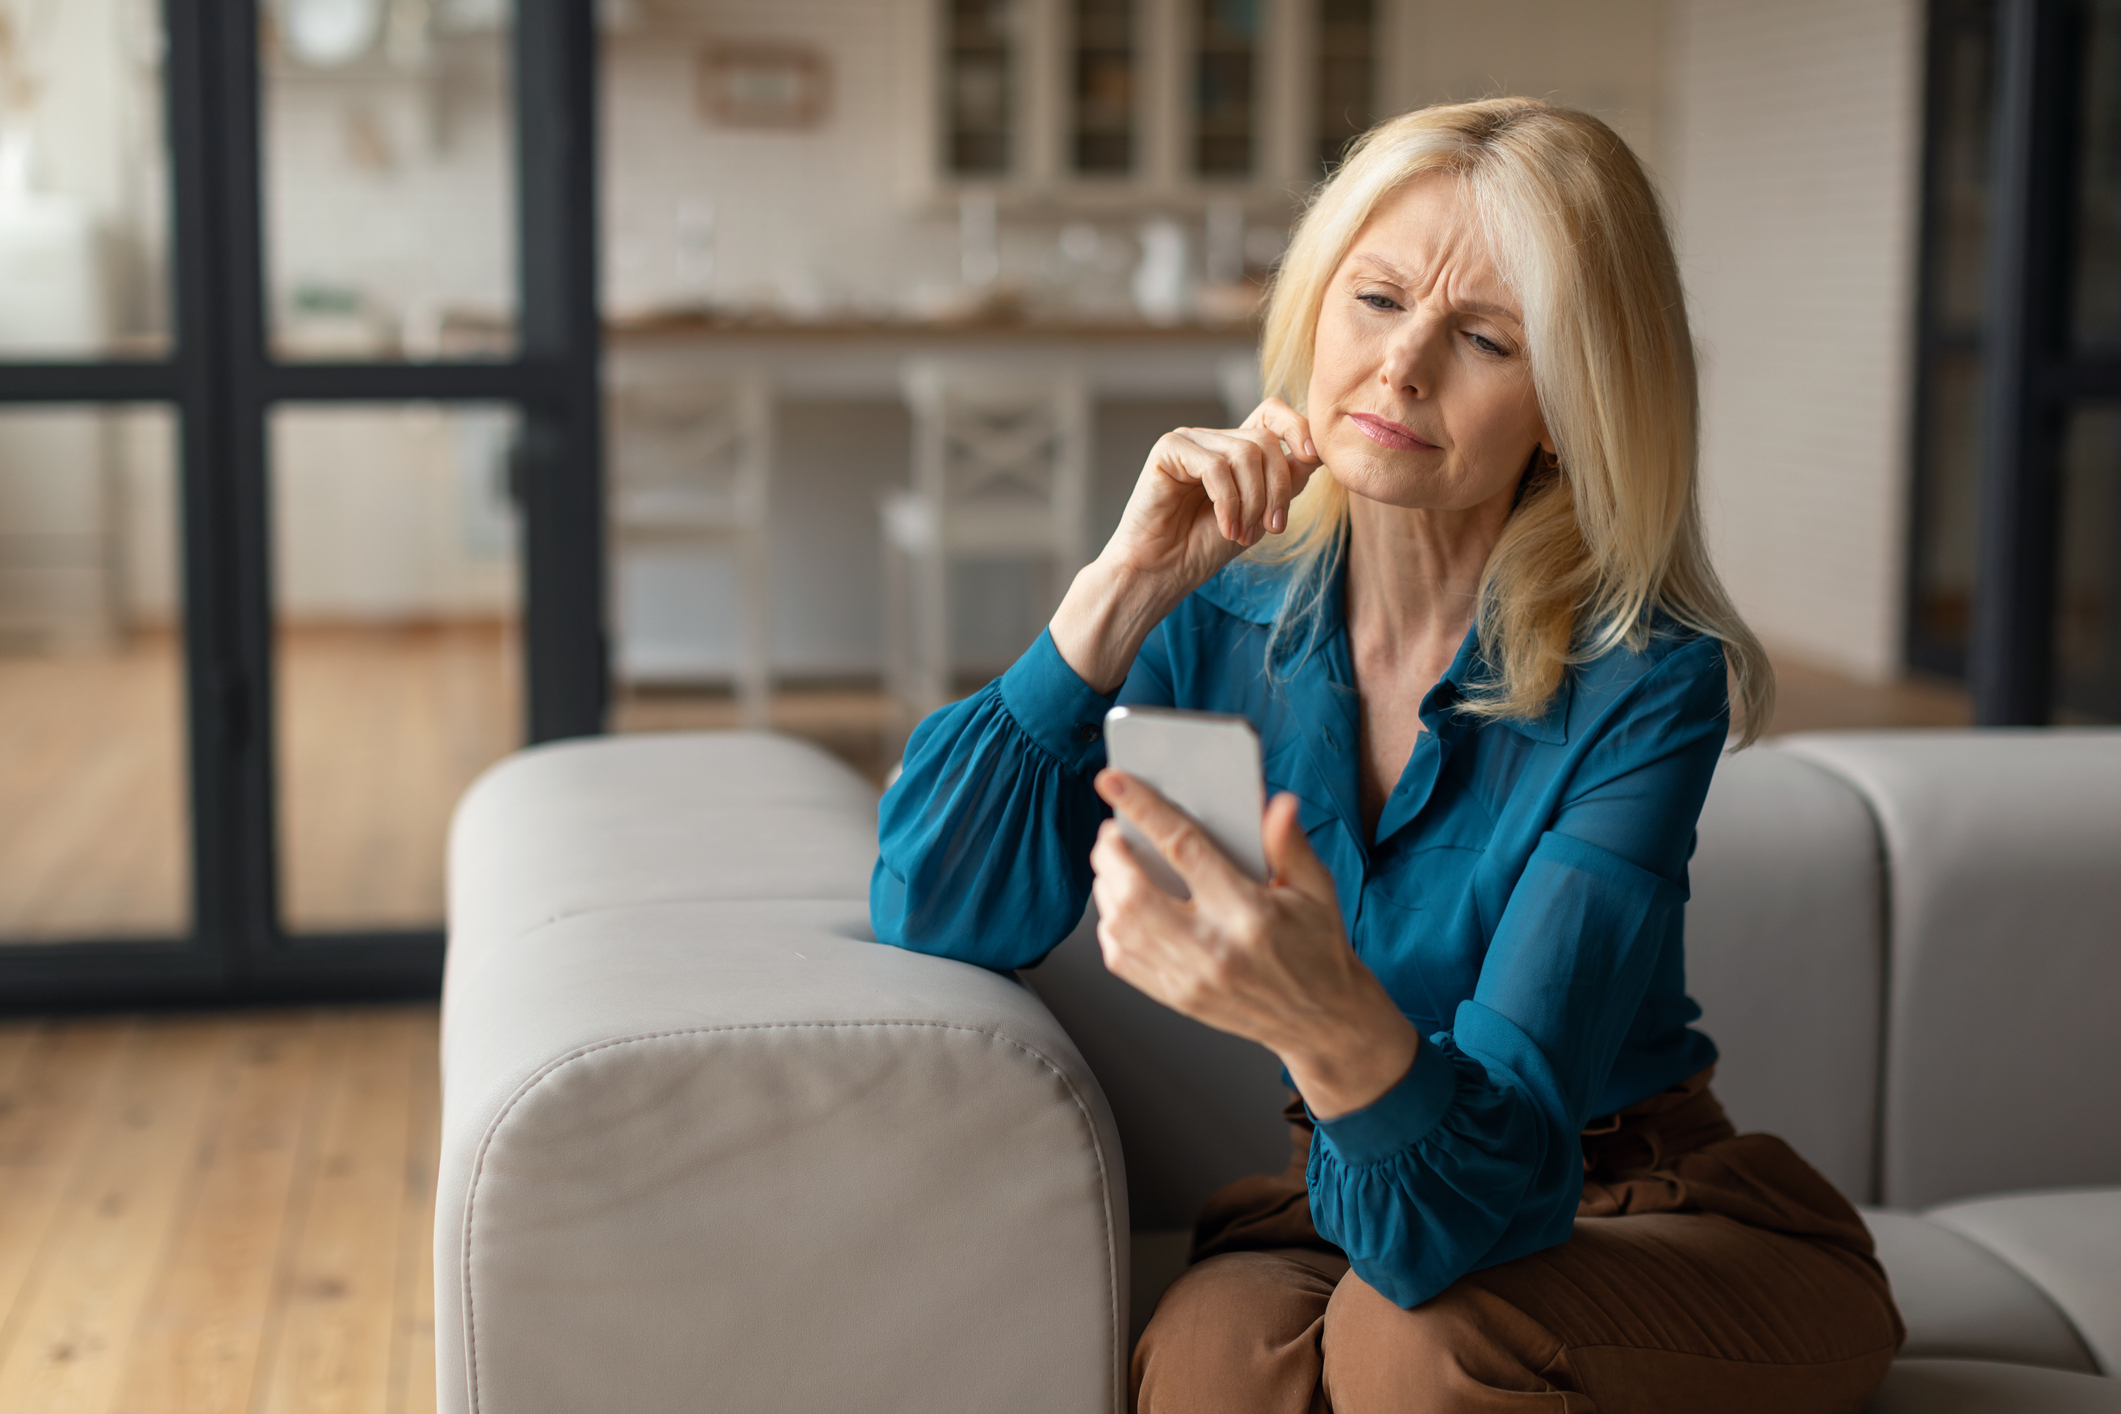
(1007, 445)
(2003, 967)
(691, 453)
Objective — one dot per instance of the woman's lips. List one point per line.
(1387, 433)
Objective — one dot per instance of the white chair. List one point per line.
(692, 467)
(1001, 470)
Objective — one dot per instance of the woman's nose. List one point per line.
(1411, 359)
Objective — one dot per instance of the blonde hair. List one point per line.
(1600, 544)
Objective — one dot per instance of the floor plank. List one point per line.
(413, 1353)
(380, 730)
(69, 1349)
(18, 1042)
(219, 1214)
(49, 1114)
(93, 833)
(331, 1353)
(196, 1349)
(1812, 698)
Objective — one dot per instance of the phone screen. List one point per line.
(1205, 763)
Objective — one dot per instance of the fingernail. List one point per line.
(1115, 783)
(1277, 521)
(1310, 450)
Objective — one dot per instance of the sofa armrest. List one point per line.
(734, 1154)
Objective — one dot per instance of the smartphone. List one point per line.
(1205, 763)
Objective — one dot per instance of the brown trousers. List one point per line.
(1710, 1272)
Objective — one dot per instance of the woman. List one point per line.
(1491, 670)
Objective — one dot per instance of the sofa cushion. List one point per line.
(1785, 954)
(581, 825)
(2002, 1056)
(2068, 1243)
(1960, 1300)
(1980, 1387)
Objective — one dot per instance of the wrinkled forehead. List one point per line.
(1427, 236)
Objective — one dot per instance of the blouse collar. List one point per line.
(1254, 591)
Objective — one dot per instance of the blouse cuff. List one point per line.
(1057, 709)
(1401, 1117)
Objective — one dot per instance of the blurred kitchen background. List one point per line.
(807, 202)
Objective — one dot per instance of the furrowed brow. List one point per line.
(1489, 311)
(1376, 266)
(1383, 268)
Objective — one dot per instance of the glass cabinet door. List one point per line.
(979, 87)
(1105, 87)
(1226, 91)
(1347, 75)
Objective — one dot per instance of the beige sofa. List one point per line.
(706, 1145)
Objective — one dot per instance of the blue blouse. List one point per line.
(1521, 899)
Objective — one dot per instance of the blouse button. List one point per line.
(1086, 732)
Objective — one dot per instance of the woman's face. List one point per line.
(1419, 395)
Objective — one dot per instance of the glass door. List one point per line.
(98, 827)
(299, 475)
(2015, 554)
(387, 134)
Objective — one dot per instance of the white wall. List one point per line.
(1605, 57)
(799, 218)
(398, 184)
(1798, 143)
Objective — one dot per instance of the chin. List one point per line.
(1371, 472)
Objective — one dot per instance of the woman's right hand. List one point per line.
(1204, 496)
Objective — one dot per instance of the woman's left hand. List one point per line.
(1269, 962)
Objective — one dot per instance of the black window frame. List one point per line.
(223, 383)
(2033, 375)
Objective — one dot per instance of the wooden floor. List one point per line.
(218, 1214)
(93, 838)
(379, 732)
(1809, 698)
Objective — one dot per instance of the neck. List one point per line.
(1413, 576)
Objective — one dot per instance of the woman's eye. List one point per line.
(1486, 345)
(1378, 301)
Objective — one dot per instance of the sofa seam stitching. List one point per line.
(593, 910)
(545, 1072)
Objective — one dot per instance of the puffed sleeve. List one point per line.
(984, 840)
(1472, 1158)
